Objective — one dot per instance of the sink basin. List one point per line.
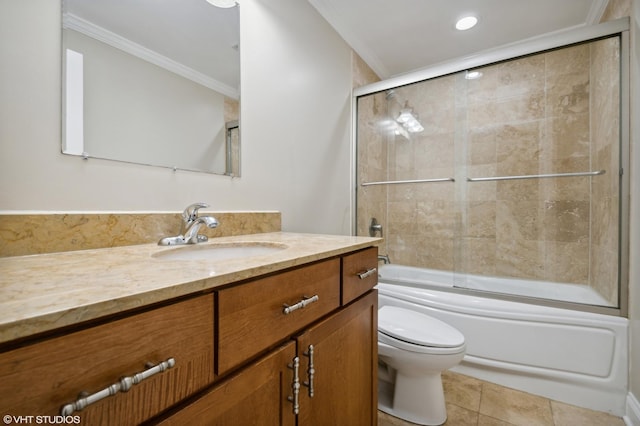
(222, 251)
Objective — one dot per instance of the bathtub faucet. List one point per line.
(375, 227)
(384, 258)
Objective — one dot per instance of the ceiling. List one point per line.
(398, 36)
(392, 36)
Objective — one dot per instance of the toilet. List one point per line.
(413, 350)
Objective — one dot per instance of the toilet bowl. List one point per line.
(413, 350)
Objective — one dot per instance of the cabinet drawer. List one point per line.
(359, 273)
(41, 378)
(251, 316)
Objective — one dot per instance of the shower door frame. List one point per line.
(619, 27)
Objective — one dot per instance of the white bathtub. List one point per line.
(575, 357)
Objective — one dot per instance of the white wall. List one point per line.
(295, 122)
(295, 113)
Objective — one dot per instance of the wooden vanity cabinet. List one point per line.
(250, 353)
(335, 347)
(40, 378)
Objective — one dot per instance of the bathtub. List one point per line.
(579, 358)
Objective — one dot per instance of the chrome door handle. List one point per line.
(123, 385)
(295, 385)
(311, 371)
(301, 304)
(367, 273)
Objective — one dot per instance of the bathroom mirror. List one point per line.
(152, 82)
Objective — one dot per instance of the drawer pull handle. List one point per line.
(367, 273)
(301, 304)
(295, 385)
(311, 371)
(123, 385)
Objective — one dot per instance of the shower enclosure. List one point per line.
(505, 173)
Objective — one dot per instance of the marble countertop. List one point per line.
(43, 292)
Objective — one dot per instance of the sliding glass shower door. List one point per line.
(506, 176)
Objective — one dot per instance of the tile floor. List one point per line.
(473, 402)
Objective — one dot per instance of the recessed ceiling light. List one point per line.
(466, 23)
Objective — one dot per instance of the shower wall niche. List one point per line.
(515, 172)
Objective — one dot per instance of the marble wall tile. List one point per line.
(519, 257)
(518, 150)
(484, 89)
(482, 146)
(518, 190)
(616, 9)
(569, 60)
(361, 72)
(568, 94)
(480, 191)
(47, 233)
(435, 218)
(566, 221)
(566, 145)
(480, 219)
(478, 256)
(437, 251)
(231, 109)
(433, 152)
(574, 189)
(567, 262)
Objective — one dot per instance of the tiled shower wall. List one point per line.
(555, 112)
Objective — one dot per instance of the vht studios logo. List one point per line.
(8, 419)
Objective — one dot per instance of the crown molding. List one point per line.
(75, 23)
(596, 11)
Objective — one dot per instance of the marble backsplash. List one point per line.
(25, 234)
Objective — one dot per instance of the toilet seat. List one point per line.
(416, 332)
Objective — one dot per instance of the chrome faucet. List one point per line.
(190, 214)
(191, 224)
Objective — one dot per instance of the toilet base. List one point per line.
(419, 401)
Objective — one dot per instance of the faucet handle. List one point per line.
(191, 212)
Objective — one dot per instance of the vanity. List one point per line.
(136, 334)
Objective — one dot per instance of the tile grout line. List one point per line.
(553, 421)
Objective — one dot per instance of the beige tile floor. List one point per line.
(473, 402)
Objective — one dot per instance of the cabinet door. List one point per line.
(345, 358)
(257, 395)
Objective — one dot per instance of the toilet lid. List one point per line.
(419, 329)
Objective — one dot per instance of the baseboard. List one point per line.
(632, 418)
